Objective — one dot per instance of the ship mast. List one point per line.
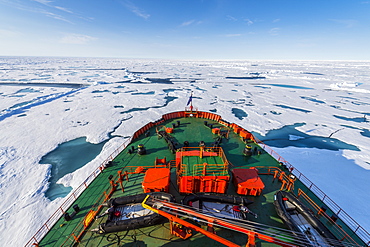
(190, 101)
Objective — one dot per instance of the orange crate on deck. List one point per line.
(245, 134)
(156, 180)
(216, 131)
(194, 184)
(169, 130)
(247, 181)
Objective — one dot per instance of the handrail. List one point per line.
(80, 227)
(72, 197)
(348, 220)
(212, 220)
(343, 235)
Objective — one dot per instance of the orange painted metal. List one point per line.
(173, 218)
(237, 129)
(247, 181)
(245, 134)
(196, 153)
(251, 240)
(138, 170)
(89, 218)
(211, 184)
(180, 231)
(204, 177)
(216, 131)
(221, 222)
(160, 162)
(215, 221)
(156, 180)
(65, 205)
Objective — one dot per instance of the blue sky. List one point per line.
(187, 29)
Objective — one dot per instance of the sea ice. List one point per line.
(115, 97)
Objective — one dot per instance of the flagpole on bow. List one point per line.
(190, 101)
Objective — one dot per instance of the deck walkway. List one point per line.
(193, 131)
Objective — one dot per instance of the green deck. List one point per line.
(192, 130)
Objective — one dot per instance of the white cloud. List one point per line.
(187, 23)
(77, 39)
(8, 33)
(274, 31)
(64, 9)
(231, 18)
(190, 22)
(46, 8)
(347, 23)
(134, 9)
(45, 2)
(48, 4)
(276, 20)
(56, 16)
(248, 21)
(233, 35)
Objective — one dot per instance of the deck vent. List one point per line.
(76, 208)
(334, 217)
(67, 217)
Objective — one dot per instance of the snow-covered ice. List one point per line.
(47, 101)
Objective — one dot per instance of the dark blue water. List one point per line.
(281, 138)
(263, 87)
(160, 80)
(239, 113)
(275, 113)
(293, 108)
(67, 158)
(147, 93)
(285, 86)
(100, 91)
(311, 73)
(245, 77)
(313, 100)
(21, 108)
(355, 119)
(168, 100)
(365, 132)
(42, 84)
(27, 90)
(72, 155)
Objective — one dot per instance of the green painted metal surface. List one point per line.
(192, 130)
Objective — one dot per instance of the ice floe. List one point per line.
(45, 102)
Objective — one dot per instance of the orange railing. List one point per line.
(80, 228)
(203, 170)
(348, 220)
(287, 182)
(72, 197)
(337, 230)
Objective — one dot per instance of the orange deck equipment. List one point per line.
(216, 131)
(156, 180)
(202, 170)
(247, 181)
